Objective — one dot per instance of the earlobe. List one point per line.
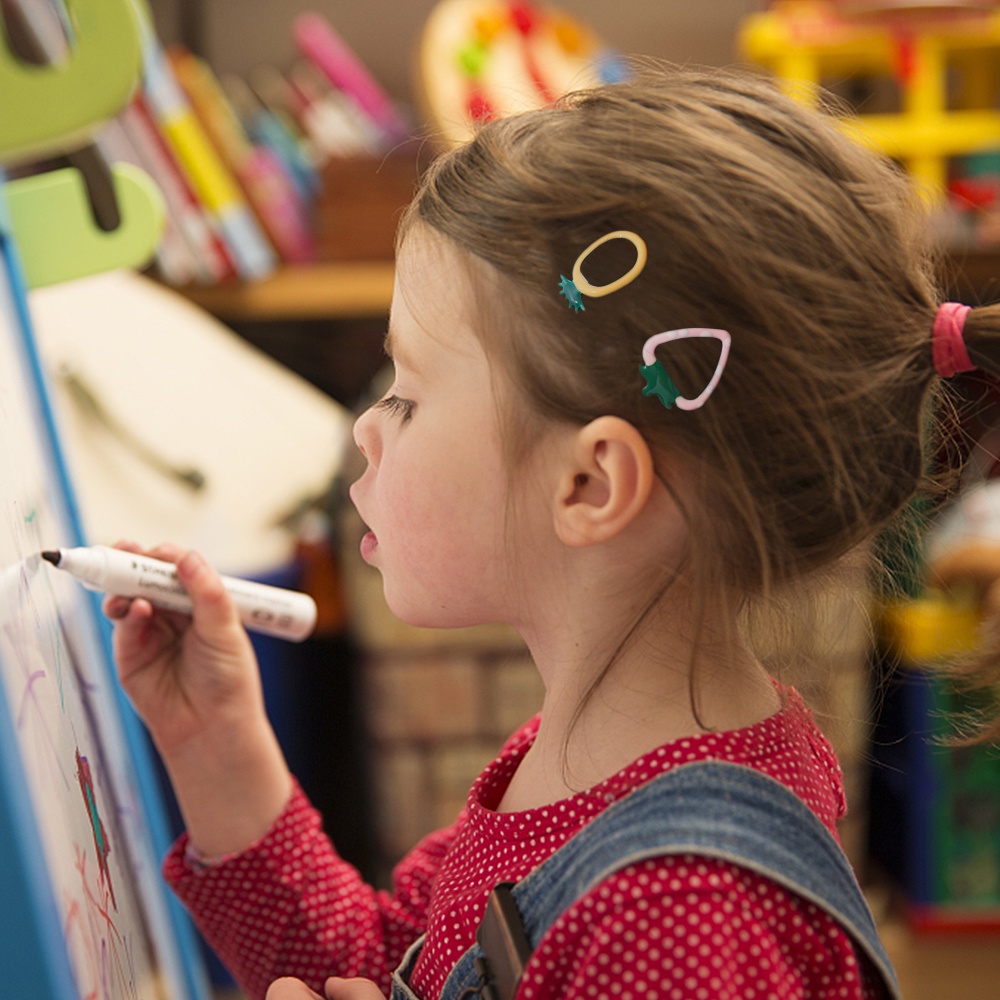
(606, 482)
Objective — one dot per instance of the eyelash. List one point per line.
(397, 407)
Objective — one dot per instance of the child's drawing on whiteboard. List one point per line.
(101, 844)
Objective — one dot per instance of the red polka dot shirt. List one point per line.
(682, 927)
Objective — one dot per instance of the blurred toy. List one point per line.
(934, 810)
(942, 58)
(963, 551)
(480, 59)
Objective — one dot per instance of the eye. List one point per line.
(397, 407)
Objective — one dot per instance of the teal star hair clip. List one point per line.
(573, 288)
(571, 293)
(660, 384)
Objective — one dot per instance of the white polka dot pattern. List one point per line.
(682, 927)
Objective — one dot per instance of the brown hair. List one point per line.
(761, 218)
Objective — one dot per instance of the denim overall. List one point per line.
(710, 809)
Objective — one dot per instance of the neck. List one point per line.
(610, 701)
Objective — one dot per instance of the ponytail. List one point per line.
(966, 339)
(982, 337)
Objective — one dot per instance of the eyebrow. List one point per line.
(395, 352)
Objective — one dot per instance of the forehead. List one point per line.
(432, 301)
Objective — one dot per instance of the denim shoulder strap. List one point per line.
(711, 809)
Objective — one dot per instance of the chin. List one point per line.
(423, 620)
(420, 616)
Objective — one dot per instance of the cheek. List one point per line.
(441, 516)
(418, 507)
(440, 560)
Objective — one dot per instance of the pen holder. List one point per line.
(361, 202)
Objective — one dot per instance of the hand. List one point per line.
(184, 673)
(194, 681)
(334, 989)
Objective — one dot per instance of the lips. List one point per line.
(369, 543)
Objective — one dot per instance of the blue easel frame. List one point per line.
(34, 956)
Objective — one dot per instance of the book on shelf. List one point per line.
(260, 174)
(247, 166)
(196, 245)
(274, 127)
(209, 177)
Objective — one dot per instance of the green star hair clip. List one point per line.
(573, 288)
(660, 384)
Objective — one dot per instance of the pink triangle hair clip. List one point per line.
(660, 384)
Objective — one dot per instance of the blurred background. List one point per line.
(285, 138)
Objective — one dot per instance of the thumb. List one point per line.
(212, 607)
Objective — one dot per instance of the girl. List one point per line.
(770, 280)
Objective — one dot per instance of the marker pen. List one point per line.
(286, 614)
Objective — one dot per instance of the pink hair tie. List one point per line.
(948, 341)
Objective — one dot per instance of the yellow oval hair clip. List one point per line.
(573, 288)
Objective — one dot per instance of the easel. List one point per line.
(60, 227)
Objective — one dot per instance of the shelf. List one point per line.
(345, 290)
(311, 291)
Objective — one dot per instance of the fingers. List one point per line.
(335, 988)
(213, 609)
(117, 608)
(351, 989)
(290, 989)
(165, 551)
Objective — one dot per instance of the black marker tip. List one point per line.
(52, 557)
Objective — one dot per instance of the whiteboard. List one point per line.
(83, 912)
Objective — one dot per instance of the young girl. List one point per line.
(661, 352)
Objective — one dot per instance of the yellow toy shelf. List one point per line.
(947, 69)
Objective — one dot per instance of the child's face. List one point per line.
(435, 491)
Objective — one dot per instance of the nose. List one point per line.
(366, 435)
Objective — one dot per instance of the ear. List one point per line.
(605, 483)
